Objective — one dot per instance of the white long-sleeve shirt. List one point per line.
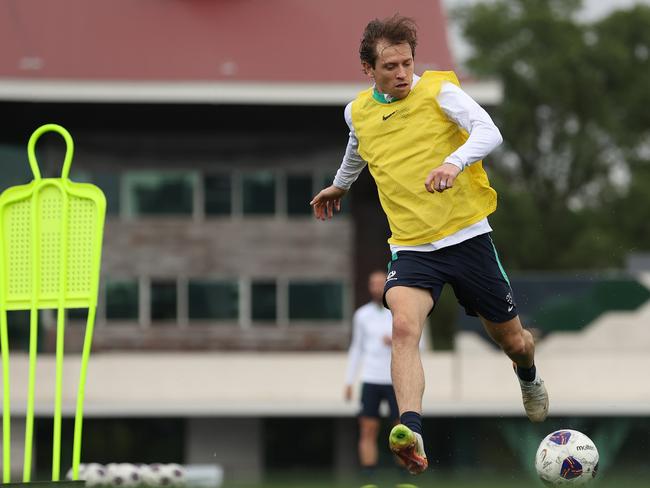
(484, 136)
(372, 324)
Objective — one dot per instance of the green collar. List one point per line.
(380, 97)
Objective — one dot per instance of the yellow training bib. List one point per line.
(402, 142)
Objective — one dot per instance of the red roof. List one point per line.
(203, 40)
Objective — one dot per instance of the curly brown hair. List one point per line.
(396, 30)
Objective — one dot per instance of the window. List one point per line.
(315, 301)
(263, 298)
(163, 300)
(80, 176)
(299, 194)
(14, 169)
(214, 300)
(218, 194)
(258, 193)
(78, 314)
(122, 301)
(160, 193)
(108, 182)
(110, 185)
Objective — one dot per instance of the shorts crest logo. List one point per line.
(391, 276)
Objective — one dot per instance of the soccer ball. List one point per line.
(566, 457)
(123, 474)
(93, 474)
(149, 474)
(163, 474)
(172, 475)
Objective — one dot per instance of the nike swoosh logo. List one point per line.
(386, 117)
(510, 308)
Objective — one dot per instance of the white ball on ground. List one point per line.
(94, 474)
(123, 474)
(149, 473)
(171, 474)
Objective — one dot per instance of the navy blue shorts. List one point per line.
(473, 270)
(371, 397)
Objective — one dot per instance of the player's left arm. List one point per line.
(484, 136)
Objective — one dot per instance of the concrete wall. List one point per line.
(476, 380)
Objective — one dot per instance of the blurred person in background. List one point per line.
(369, 353)
(423, 139)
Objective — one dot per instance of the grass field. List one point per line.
(466, 484)
(441, 482)
(450, 484)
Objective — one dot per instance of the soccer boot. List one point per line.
(535, 398)
(409, 447)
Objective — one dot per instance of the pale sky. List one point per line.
(592, 10)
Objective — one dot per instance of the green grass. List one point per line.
(449, 484)
(433, 481)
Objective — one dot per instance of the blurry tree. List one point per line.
(576, 127)
(620, 48)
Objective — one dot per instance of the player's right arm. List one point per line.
(329, 199)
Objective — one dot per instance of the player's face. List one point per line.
(393, 70)
(376, 286)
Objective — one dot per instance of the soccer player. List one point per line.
(423, 139)
(370, 351)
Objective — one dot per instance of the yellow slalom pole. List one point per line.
(78, 420)
(56, 442)
(29, 420)
(6, 404)
(60, 336)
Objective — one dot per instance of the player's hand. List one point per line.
(442, 178)
(327, 201)
(347, 393)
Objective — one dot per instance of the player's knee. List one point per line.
(368, 432)
(405, 329)
(514, 345)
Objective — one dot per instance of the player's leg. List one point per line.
(409, 307)
(369, 423)
(514, 340)
(519, 346)
(368, 433)
(483, 288)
